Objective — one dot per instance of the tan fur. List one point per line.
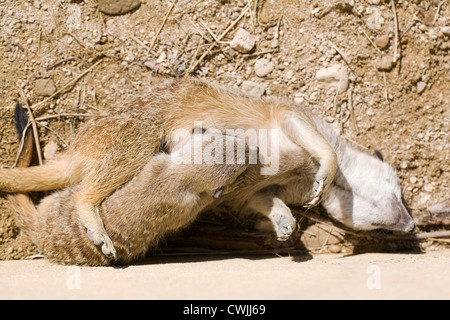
(161, 196)
(114, 146)
(170, 197)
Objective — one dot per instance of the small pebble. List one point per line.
(263, 67)
(115, 7)
(421, 86)
(385, 63)
(253, 89)
(45, 87)
(382, 41)
(243, 41)
(446, 30)
(428, 187)
(334, 76)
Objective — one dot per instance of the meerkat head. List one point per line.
(366, 194)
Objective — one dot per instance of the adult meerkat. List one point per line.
(113, 146)
(364, 195)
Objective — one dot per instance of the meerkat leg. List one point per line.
(275, 209)
(87, 202)
(99, 184)
(308, 137)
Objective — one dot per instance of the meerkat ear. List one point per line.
(377, 154)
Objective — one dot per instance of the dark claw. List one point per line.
(108, 253)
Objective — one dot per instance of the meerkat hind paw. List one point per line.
(285, 226)
(284, 232)
(106, 243)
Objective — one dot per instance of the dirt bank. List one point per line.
(400, 108)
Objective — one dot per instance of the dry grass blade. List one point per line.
(64, 87)
(370, 40)
(436, 16)
(386, 94)
(71, 82)
(161, 26)
(396, 44)
(350, 106)
(231, 26)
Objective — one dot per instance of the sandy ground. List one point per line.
(404, 113)
(365, 276)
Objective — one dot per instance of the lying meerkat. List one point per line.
(114, 146)
(364, 195)
(163, 197)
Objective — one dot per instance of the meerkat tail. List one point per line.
(50, 176)
(26, 213)
(53, 175)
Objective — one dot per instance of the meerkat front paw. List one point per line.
(101, 238)
(318, 189)
(90, 219)
(324, 178)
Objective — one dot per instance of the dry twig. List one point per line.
(211, 33)
(48, 68)
(350, 107)
(71, 82)
(415, 20)
(436, 16)
(142, 44)
(396, 42)
(33, 125)
(161, 26)
(370, 40)
(57, 137)
(386, 94)
(208, 50)
(342, 55)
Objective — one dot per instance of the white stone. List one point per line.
(421, 86)
(243, 41)
(263, 67)
(446, 30)
(428, 187)
(253, 89)
(334, 76)
(288, 75)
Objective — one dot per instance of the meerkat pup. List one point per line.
(162, 197)
(115, 145)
